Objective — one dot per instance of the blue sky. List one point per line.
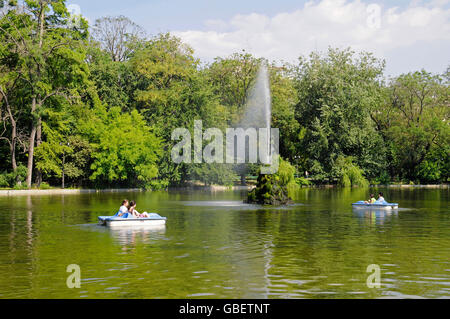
(168, 15)
(410, 37)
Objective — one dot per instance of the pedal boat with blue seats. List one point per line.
(375, 206)
(114, 221)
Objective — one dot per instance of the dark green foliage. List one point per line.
(336, 93)
(348, 173)
(275, 189)
(213, 174)
(9, 180)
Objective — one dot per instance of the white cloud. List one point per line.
(337, 23)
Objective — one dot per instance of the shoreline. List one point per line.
(417, 186)
(442, 186)
(60, 191)
(213, 188)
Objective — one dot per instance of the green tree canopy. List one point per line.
(336, 92)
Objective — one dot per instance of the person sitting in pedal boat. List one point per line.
(381, 199)
(135, 213)
(123, 210)
(372, 199)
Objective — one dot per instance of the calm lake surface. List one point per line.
(213, 246)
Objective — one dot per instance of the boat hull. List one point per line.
(363, 205)
(131, 222)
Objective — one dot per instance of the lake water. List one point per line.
(213, 246)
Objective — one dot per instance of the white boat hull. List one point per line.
(127, 223)
(132, 222)
(378, 207)
(387, 206)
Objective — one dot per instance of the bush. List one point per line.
(17, 177)
(8, 180)
(302, 181)
(349, 174)
(430, 172)
(44, 186)
(157, 185)
(4, 180)
(383, 179)
(19, 187)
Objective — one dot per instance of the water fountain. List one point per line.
(258, 108)
(270, 189)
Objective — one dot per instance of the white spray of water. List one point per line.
(258, 108)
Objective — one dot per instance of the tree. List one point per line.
(118, 36)
(348, 174)
(284, 101)
(335, 93)
(51, 57)
(63, 153)
(415, 123)
(10, 111)
(115, 82)
(232, 79)
(126, 149)
(171, 94)
(13, 92)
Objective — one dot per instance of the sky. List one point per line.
(409, 34)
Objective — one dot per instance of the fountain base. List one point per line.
(269, 191)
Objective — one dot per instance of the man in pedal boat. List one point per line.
(381, 199)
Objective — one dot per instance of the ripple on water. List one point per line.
(206, 294)
(236, 204)
(182, 256)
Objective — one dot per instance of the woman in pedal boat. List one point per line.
(123, 210)
(372, 199)
(135, 213)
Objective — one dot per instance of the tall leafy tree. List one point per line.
(172, 93)
(284, 101)
(51, 59)
(232, 78)
(336, 92)
(126, 149)
(414, 121)
(115, 82)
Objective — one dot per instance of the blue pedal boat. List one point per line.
(375, 206)
(113, 221)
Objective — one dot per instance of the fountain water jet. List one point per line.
(258, 108)
(271, 189)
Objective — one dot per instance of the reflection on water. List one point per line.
(145, 234)
(129, 235)
(375, 216)
(216, 203)
(236, 205)
(214, 246)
